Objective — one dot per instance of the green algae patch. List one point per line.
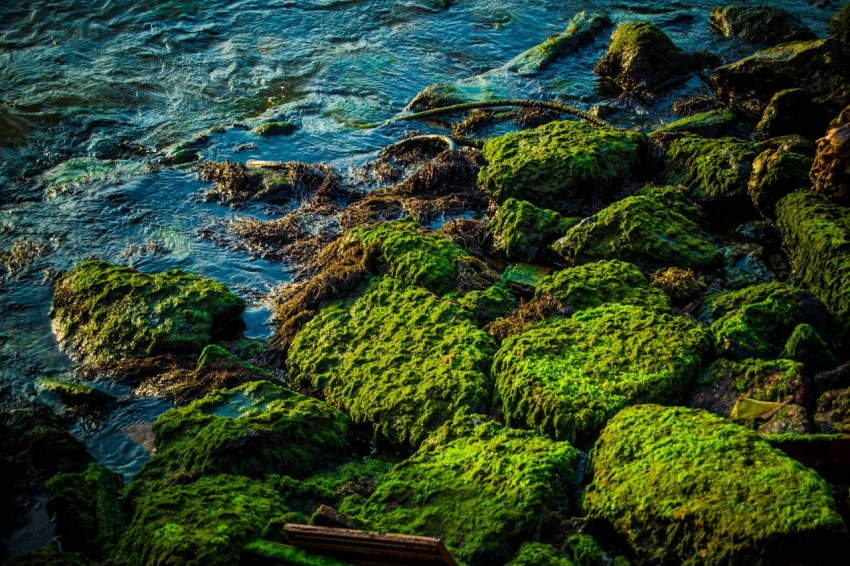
(524, 274)
(413, 255)
(776, 173)
(685, 486)
(710, 168)
(566, 378)
(275, 129)
(564, 165)
(595, 284)
(817, 236)
(268, 552)
(203, 523)
(108, 312)
(86, 509)
(216, 358)
(523, 230)
(482, 488)
(540, 554)
(397, 357)
(489, 304)
(653, 228)
(707, 124)
(808, 347)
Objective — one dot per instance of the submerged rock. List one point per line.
(566, 378)
(275, 129)
(830, 172)
(775, 174)
(397, 357)
(107, 312)
(523, 231)
(681, 483)
(435, 95)
(708, 124)
(566, 166)
(759, 24)
(480, 487)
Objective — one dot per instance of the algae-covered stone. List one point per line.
(565, 165)
(522, 230)
(397, 357)
(109, 312)
(480, 487)
(710, 168)
(833, 412)
(792, 111)
(807, 346)
(776, 173)
(839, 25)
(253, 430)
(73, 393)
(203, 523)
(653, 228)
(566, 378)
(759, 24)
(579, 550)
(707, 124)
(489, 304)
(435, 95)
(595, 284)
(87, 510)
(817, 236)
(681, 285)
(683, 485)
(641, 58)
(268, 552)
(275, 129)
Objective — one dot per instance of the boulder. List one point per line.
(759, 24)
(830, 173)
(776, 173)
(523, 231)
(792, 111)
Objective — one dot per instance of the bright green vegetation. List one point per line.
(707, 124)
(776, 173)
(275, 129)
(109, 312)
(808, 347)
(203, 523)
(839, 26)
(74, 393)
(397, 357)
(539, 554)
(710, 168)
(411, 254)
(489, 304)
(522, 230)
(253, 430)
(482, 488)
(755, 322)
(817, 235)
(582, 28)
(86, 508)
(268, 552)
(561, 165)
(567, 377)
(685, 486)
(595, 284)
(653, 228)
(763, 380)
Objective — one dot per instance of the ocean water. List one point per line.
(92, 93)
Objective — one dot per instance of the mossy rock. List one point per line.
(268, 552)
(206, 522)
(776, 173)
(252, 430)
(808, 347)
(107, 312)
(792, 111)
(275, 129)
(482, 488)
(839, 25)
(595, 284)
(759, 24)
(87, 510)
(654, 228)
(710, 168)
(567, 377)
(564, 166)
(685, 486)
(833, 412)
(397, 357)
(756, 321)
(523, 230)
(641, 58)
(489, 304)
(817, 236)
(707, 124)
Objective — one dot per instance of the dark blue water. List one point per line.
(93, 93)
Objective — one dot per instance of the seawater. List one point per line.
(102, 88)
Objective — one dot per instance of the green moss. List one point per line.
(522, 230)
(839, 25)
(275, 129)
(595, 284)
(710, 168)
(777, 173)
(566, 378)
(86, 508)
(654, 228)
(584, 550)
(817, 236)
(808, 347)
(399, 358)
(707, 124)
(109, 312)
(49, 556)
(413, 255)
(489, 304)
(539, 554)
(75, 393)
(207, 522)
(480, 487)
(561, 165)
(216, 358)
(685, 486)
(762, 380)
(267, 552)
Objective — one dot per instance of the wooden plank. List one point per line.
(361, 547)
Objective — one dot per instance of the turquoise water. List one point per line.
(116, 83)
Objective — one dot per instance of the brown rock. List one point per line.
(830, 173)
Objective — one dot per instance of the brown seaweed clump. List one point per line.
(541, 308)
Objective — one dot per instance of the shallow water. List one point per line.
(123, 80)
